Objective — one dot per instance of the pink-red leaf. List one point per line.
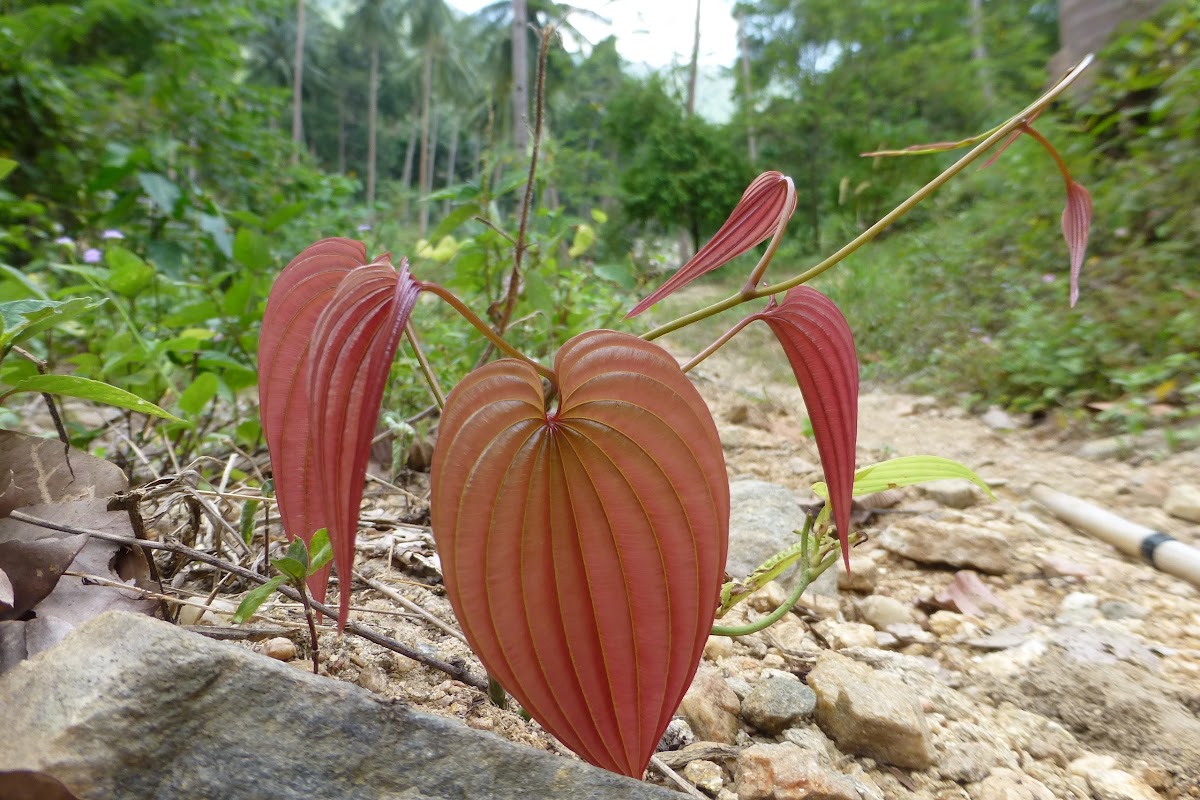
(767, 204)
(818, 343)
(299, 295)
(352, 349)
(583, 549)
(1076, 224)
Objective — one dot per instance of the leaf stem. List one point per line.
(1058, 159)
(430, 376)
(1014, 123)
(481, 326)
(717, 345)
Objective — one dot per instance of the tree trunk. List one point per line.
(372, 114)
(406, 177)
(520, 65)
(298, 85)
(695, 69)
(979, 53)
(341, 112)
(423, 170)
(747, 89)
(427, 187)
(451, 162)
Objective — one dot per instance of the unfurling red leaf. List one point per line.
(583, 548)
(767, 204)
(301, 292)
(1076, 223)
(352, 349)
(820, 348)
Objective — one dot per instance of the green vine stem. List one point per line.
(811, 573)
(481, 326)
(717, 345)
(1018, 122)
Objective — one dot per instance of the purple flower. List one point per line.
(91, 256)
(66, 241)
(1049, 277)
(366, 226)
(112, 233)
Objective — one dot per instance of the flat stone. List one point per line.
(970, 762)
(998, 419)
(129, 706)
(1183, 502)
(777, 703)
(711, 707)
(785, 772)
(957, 544)
(870, 713)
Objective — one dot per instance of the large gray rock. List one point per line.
(762, 518)
(132, 707)
(959, 544)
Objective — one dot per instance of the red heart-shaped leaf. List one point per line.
(820, 347)
(583, 548)
(767, 204)
(301, 292)
(353, 344)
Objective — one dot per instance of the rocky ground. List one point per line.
(980, 649)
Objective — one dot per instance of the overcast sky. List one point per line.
(655, 32)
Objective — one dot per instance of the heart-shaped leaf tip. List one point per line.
(766, 205)
(583, 548)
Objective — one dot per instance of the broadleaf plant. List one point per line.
(580, 511)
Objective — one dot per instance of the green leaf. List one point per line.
(216, 228)
(7, 165)
(906, 471)
(20, 319)
(322, 551)
(246, 523)
(128, 275)
(538, 293)
(599, 217)
(198, 394)
(255, 598)
(162, 192)
(455, 218)
(23, 279)
(282, 216)
(86, 389)
(251, 249)
(294, 564)
(619, 273)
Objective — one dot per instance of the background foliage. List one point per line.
(156, 167)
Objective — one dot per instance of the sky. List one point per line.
(656, 33)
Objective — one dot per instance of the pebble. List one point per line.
(373, 679)
(677, 736)
(718, 647)
(971, 762)
(706, 776)
(280, 648)
(862, 578)
(1183, 502)
(785, 772)
(776, 704)
(1113, 784)
(998, 419)
(870, 712)
(947, 624)
(882, 611)
(811, 738)
(711, 708)
(954, 493)
(842, 635)
(1007, 784)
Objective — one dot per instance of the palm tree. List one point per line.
(298, 85)
(374, 22)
